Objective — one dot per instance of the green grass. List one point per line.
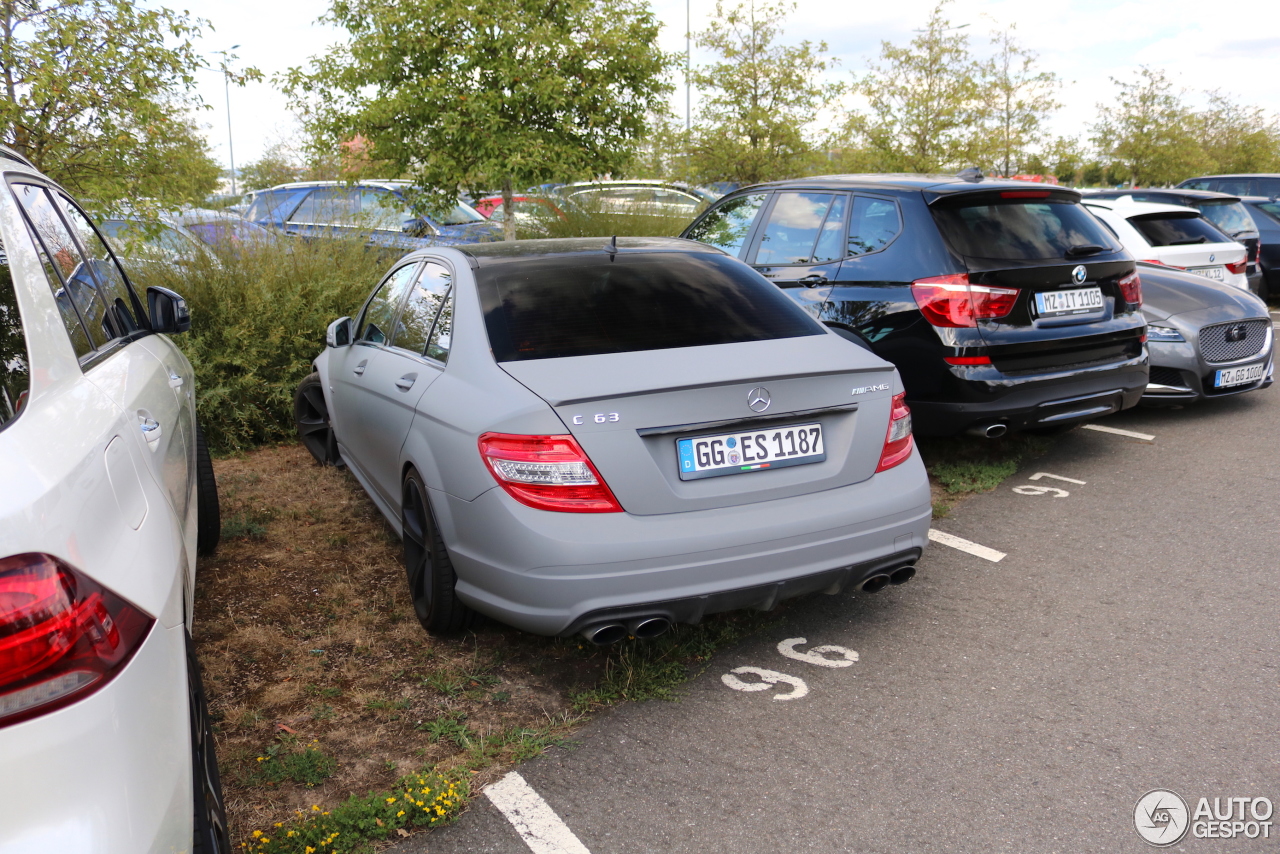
(965, 465)
(287, 760)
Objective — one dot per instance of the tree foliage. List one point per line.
(1149, 132)
(486, 93)
(1019, 101)
(1238, 138)
(759, 98)
(97, 96)
(926, 100)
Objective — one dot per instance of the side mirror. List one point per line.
(169, 313)
(339, 333)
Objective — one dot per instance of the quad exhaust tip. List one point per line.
(880, 581)
(902, 574)
(603, 634)
(640, 628)
(646, 628)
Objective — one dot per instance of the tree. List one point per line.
(279, 164)
(926, 101)
(1019, 100)
(759, 98)
(1237, 138)
(1149, 132)
(484, 93)
(98, 97)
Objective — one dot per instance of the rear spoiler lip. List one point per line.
(948, 192)
(744, 422)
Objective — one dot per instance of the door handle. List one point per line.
(150, 429)
(406, 382)
(815, 279)
(175, 381)
(359, 369)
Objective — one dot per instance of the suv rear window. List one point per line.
(547, 308)
(1231, 217)
(1167, 230)
(1014, 230)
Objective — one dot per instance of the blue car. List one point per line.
(376, 209)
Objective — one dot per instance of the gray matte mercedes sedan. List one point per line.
(1206, 339)
(606, 438)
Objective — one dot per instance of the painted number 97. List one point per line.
(599, 418)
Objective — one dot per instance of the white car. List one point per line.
(107, 496)
(1174, 236)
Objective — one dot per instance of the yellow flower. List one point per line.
(400, 813)
(391, 800)
(260, 758)
(257, 833)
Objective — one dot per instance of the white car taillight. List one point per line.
(897, 441)
(547, 472)
(62, 636)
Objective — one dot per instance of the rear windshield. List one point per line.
(1165, 230)
(1012, 230)
(1231, 217)
(547, 308)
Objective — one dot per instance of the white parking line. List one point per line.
(1146, 437)
(965, 546)
(538, 825)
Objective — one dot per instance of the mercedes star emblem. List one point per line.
(758, 399)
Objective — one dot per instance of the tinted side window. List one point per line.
(874, 224)
(442, 332)
(15, 365)
(1176, 231)
(73, 288)
(830, 245)
(414, 327)
(325, 206)
(269, 207)
(583, 306)
(375, 323)
(793, 227)
(382, 209)
(727, 226)
(1202, 184)
(123, 311)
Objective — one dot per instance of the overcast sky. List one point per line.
(1085, 42)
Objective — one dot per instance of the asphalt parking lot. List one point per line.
(1127, 641)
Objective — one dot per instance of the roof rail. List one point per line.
(6, 151)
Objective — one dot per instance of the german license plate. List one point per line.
(1214, 273)
(753, 450)
(1228, 377)
(1067, 303)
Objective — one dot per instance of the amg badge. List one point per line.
(866, 388)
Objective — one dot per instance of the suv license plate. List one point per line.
(1214, 273)
(1067, 303)
(753, 450)
(1237, 376)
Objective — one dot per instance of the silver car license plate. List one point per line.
(1228, 377)
(1067, 303)
(754, 450)
(1214, 273)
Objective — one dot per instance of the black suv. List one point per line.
(1003, 304)
(1225, 211)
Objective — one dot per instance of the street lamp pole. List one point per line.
(226, 81)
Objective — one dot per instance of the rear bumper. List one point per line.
(551, 573)
(1022, 402)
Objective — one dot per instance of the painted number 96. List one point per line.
(599, 418)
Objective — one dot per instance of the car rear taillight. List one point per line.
(952, 301)
(967, 360)
(62, 636)
(1131, 289)
(1237, 266)
(897, 441)
(547, 472)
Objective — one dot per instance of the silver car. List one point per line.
(1205, 339)
(609, 438)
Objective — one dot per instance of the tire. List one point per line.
(208, 512)
(429, 570)
(311, 417)
(209, 809)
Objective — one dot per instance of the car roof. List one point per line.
(1237, 175)
(510, 251)
(1127, 207)
(386, 184)
(943, 184)
(1202, 195)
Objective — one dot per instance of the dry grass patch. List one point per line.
(324, 685)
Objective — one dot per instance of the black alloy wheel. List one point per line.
(208, 512)
(311, 416)
(210, 812)
(427, 565)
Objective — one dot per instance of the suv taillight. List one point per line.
(62, 636)
(897, 441)
(952, 301)
(1237, 266)
(547, 472)
(1131, 289)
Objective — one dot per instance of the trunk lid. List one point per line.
(628, 411)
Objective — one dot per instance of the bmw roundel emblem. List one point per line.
(1079, 274)
(1212, 258)
(758, 399)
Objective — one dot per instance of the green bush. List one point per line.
(597, 219)
(258, 318)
